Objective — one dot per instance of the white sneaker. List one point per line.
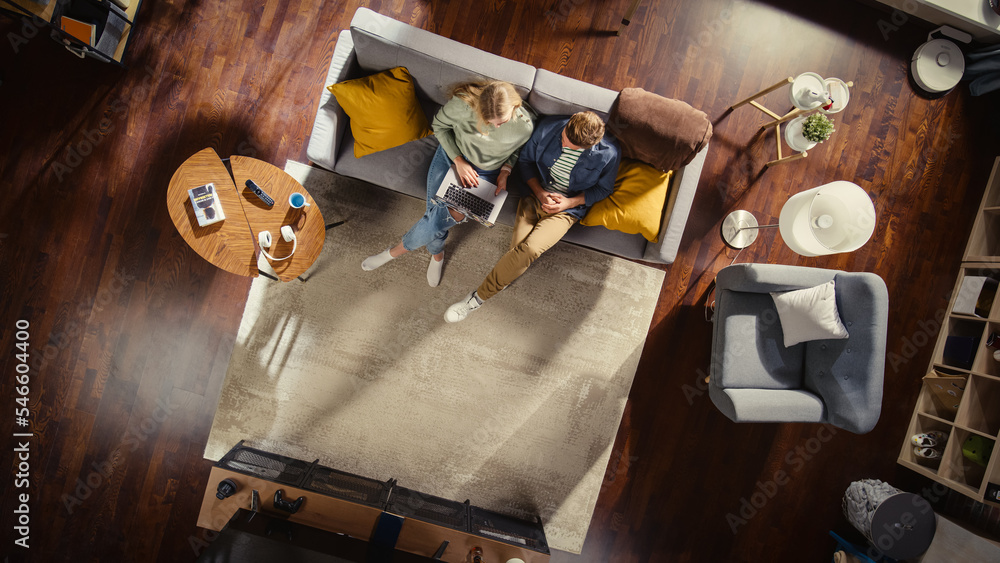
(932, 439)
(434, 270)
(460, 310)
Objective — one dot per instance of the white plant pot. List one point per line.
(794, 137)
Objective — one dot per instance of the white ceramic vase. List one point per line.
(794, 137)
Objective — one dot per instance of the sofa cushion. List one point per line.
(606, 240)
(553, 94)
(843, 375)
(809, 314)
(383, 109)
(402, 169)
(636, 205)
(748, 351)
(435, 62)
(662, 132)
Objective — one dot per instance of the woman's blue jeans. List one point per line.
(432, 229)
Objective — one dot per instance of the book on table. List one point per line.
(81, 30)
(206, 204)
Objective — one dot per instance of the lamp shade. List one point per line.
(835, 217)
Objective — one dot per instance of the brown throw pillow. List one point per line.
(661, 132)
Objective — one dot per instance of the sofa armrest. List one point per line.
(328, 127)
(664, 250)
(849, 374)
(767, 405)
(764, 278)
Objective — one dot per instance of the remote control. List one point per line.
(260, 193)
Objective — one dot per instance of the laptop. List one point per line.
(478, 202)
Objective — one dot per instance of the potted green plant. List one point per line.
(817, 128)
(804, 132)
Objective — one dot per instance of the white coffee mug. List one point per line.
(297, 201)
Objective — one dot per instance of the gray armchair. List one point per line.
(754, 378)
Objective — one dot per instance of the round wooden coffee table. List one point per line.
(232, 244)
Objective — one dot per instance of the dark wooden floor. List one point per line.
(131, 331)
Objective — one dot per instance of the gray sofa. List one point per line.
(376, 43)
(753, 377)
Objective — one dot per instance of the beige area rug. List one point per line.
(515, 409)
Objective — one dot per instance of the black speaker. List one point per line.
(226, 489)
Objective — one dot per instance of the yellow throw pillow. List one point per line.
(383, 109)
(636, 205)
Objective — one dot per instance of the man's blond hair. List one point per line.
(585, 129)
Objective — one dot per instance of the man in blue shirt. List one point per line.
(569, 165)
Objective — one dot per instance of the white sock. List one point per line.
(434, 271)
(377, 260)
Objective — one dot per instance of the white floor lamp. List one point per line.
(835, 217)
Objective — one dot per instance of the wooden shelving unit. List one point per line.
(984, 242)
(959, 398)
(51, 13)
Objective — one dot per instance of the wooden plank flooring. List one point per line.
(131, 331)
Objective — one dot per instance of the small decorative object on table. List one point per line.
(817, 128)
(805, 132)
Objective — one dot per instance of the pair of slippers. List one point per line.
(929, 445)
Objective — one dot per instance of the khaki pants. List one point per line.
(534, 232)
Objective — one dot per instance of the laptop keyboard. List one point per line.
(470, 203)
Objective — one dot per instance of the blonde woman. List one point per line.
(480, 131)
